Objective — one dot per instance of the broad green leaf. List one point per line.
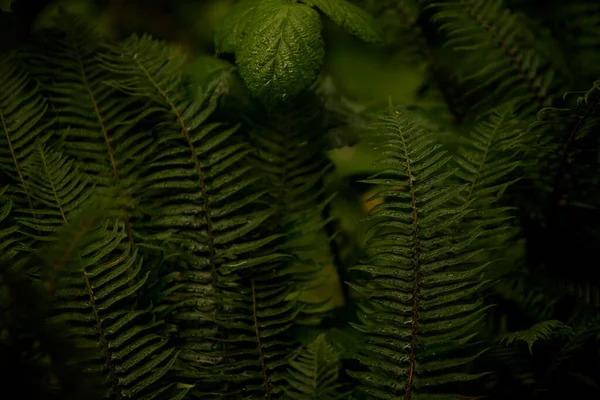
(232, 28)
(350, 17)
(282, 53)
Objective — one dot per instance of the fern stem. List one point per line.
(17, 165)
(261, 354)
(484, 156)
(57, 265)
(52, 184)
(111, 153)
(334, 248)
(198, 167)
(103, 341)
(86, 84)
(206, 205)
(416, 284)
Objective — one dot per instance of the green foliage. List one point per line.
(97, 126)
(314, 373)
(488, 160)
(350, 17)
(287, 153)
(489, 155)
(512, 64)
(94, 300)
(198, 182)
(9, 235)
(540, 331)
(57, 189)
(170, 227)
(278, 43)
(269, 65)
(422, 276)
(22, 112)
(234, 27)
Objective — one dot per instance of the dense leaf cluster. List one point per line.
(158, 237)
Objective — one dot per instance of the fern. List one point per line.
(513, 370)
(57, 189)
(9, 236)
(489, 155)
(512, 64)
(289, 153)
(91, 274)
(97, 125)
(422, 280)
(315, 373)
(22, 120)
(541, 331)
(125, 348)
(232, 267)
(407, 34)
(163, 224)
(584, 332)
(488, 159)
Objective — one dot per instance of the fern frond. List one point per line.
(314, 373)
(512, 66)
(589, 330)
(541, 331)
(421, 305)
(105, 131)
(488, 161)
(289, 153)
(9, 235)
(398, 22)
(489, 155)
(525, 289)
(124, 349)
(57, 189)
(22, 121)
(97, 122)
(232, 301)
